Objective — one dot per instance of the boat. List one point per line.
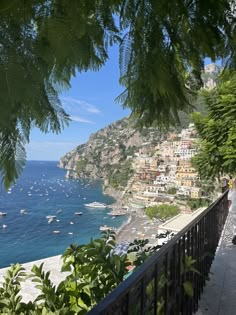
(116, 213)
(96, 204)
(56, 232)
(105, 228)
(4, 226)
(51, 217)
(3, 214)
(23, 211)
(78, 213)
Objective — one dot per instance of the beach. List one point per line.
(137, 227)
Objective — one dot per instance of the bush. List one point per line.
(95, 270)
(119, 174)
(197, 203)
(172, 191)
(81, 165)
(162, 212)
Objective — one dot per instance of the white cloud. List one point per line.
(70, 104)
(80, 119)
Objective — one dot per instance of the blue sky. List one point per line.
(91, 104)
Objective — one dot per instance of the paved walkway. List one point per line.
(28, 290)
(219, 295)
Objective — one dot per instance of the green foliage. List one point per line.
(95, 269)
(119, 174)
(81, 165)
(187, 267)
(10, 298)
(162, 52)
(197, 203)
(43, 46)
(162, 212)
(217, 131)
(172, 190)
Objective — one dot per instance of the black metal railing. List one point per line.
(167, 283)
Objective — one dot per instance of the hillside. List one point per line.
(108, 153)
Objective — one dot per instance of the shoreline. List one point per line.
(136, 226)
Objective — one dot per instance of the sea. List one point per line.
(43, 190)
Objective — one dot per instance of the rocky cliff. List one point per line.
(108, 153)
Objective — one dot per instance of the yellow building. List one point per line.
(196, 193)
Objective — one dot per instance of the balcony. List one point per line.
(172, 281)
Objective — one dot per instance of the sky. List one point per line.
(91, 104)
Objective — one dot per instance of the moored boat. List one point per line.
(96, 204)
(116, 213)
(105, 228)
(51, 217)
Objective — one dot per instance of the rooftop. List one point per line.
(178, 222)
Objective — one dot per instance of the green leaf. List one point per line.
(188, 288)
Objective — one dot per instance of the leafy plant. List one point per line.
(10, 298)
(172, 190)
(95, 269)
(162, 212)
(217, 131)
(187, 266)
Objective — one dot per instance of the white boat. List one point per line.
(50, 220)
(3, 214)
(96, 204)
(51, 217)
(105, 228)
(23, 211)
(4, 226)
(78, 213)
(56, 232)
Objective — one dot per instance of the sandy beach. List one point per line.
(137, 227)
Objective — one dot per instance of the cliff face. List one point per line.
(108, 153)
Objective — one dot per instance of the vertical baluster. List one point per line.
(192, 275)
(183, 275)
(196, 256)
(179, 279)
(204, 248)
(187, 273)
(166, 262)
(156, 289)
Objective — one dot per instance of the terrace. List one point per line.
(167, 283)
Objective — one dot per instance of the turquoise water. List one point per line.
(43, 190)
